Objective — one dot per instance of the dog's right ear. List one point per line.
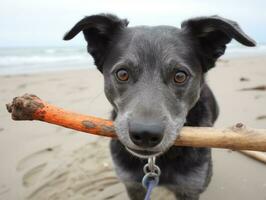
(98, 31)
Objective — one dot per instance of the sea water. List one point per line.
(40, 59)
(24, 60)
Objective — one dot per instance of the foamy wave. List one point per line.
(34, 60)
(50, 51)
(238, 50)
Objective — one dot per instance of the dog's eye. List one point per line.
(180, 77)
(122, 75)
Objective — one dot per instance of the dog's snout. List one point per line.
(146, 134)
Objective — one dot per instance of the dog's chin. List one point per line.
(143, 153)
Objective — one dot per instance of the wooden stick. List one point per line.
(238, 137)
(260, 156)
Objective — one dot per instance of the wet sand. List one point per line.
(41, 161)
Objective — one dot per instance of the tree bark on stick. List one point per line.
(238, 137)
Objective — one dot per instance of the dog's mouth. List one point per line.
(143, 153)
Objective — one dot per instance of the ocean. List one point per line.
(43, 59)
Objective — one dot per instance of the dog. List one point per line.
(154, 79)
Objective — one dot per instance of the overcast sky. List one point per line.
(44, 22)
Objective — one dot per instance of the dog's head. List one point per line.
(153, 75)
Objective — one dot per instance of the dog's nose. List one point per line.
(145, 134)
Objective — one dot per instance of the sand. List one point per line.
(41, 161)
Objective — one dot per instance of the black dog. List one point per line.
(154, 78)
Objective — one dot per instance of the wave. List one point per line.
(238, 50)
(32, 60)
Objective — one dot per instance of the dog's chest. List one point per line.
(193, 180)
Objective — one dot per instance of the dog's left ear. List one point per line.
(98, 30)
(212, 34)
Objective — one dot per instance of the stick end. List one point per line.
(24, 107)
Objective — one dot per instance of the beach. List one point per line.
(42, 161)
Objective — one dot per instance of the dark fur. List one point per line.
(152, 55)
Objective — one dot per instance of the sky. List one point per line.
(44, 22)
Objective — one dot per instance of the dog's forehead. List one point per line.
(153, 32)
(159, 38)
(156, 45)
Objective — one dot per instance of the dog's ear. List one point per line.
(212, 34)
(98, 31)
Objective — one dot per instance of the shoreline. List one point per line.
(52, 59)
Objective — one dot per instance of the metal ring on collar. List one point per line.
(156, 170)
